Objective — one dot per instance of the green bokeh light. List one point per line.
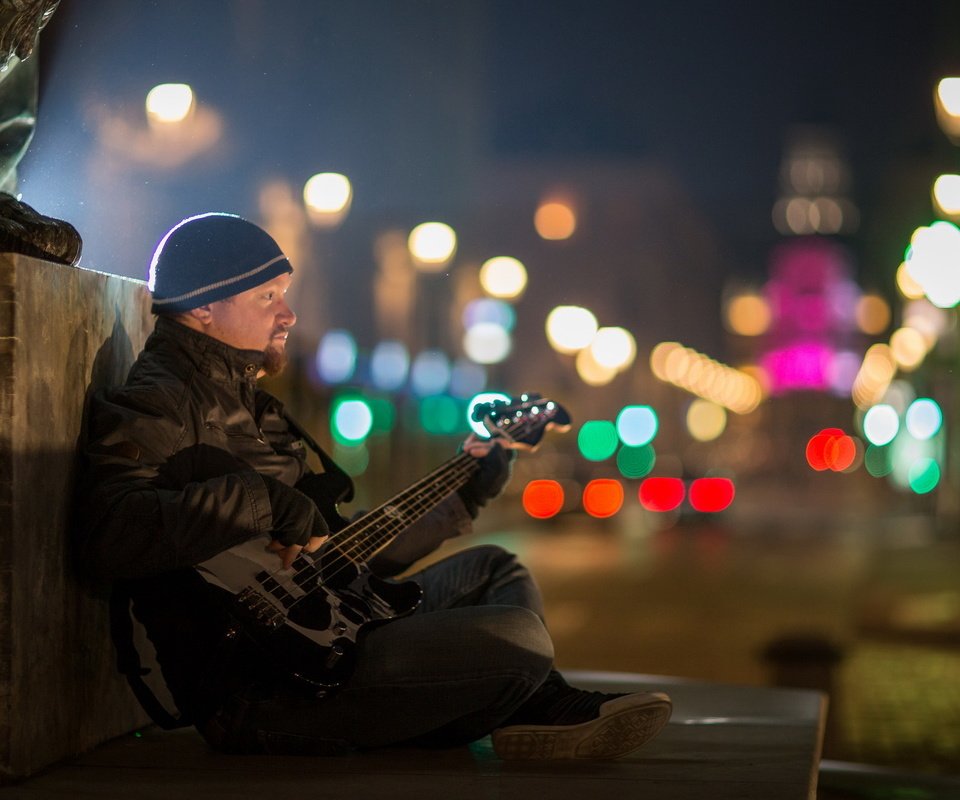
(878, 460)
(597, 439)
(924, 475)
(636, 462)
(441, 415)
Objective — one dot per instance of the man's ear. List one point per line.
(201, 314)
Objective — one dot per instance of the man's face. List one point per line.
(257, 319)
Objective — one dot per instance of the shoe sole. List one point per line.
(622, 726)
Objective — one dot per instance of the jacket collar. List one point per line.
(212, 357)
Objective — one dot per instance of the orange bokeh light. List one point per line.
(603, 497)
(543, 499)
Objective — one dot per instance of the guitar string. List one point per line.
(420, 498)
(346, 558)
(414, 492)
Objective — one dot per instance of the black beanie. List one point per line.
(210, 257)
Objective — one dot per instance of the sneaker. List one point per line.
(586, 725)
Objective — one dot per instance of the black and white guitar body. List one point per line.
(308, 617)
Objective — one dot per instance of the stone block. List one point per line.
(63, 332)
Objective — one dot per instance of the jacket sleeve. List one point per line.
(137, 512)
(449, 519)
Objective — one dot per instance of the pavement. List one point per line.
(701, 601)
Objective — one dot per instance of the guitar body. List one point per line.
(307, 618)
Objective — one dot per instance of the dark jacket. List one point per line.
(171, 476)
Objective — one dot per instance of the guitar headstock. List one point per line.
(523, 420)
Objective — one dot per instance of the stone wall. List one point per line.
(63, 332)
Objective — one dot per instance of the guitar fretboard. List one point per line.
(360, 540)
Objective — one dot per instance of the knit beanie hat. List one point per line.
(210, 257)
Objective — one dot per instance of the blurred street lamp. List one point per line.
(432, 245)
(169, 103)
(327, 197)
(503, 277)
(946, 195)
(948, 106)
(555, 220)
(570, 328)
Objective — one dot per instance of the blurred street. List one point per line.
(706, 599)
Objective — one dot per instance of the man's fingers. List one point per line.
(315, 543)
(290, 555)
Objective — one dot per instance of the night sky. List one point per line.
(405, 96)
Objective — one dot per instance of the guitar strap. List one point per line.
(329, 465)
(129, 664)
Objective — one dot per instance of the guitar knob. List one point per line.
(335, 652)
(340, 628)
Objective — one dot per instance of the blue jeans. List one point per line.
(450, 673)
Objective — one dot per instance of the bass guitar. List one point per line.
(308, 617)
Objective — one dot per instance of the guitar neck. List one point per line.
(366, 536)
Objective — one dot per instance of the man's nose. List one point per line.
(285, 315)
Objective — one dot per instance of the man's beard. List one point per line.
(274, 360)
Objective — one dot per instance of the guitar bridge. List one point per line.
(260, 609)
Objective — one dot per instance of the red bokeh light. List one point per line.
(831, 449)
(603, 497)
(543, 499)
(711, 494)
(661, 494)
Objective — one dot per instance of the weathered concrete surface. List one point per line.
(63, 331)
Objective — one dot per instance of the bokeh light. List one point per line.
(591, 371)
(555, 220)
(440, 414)
(873, 314)
(748, 315)
(878, 460)
(389, 365)
(486, 309)
(946, 195)
(908, 287)
(327, 197)
(597, 439)
(924, 475)
(831, 449)
(908, 347)
(543, 499)
(487, 343)
(636, 462)
(881, 424)
(570, 328)
(661, 494)
(613, 348)
(934, 262)
(432, 245)
(637, 425)
(336, 356)
(923, 418)
(948, 95)
(351, 420)
(467, 378)
(430, 373)
(711, 495)
(503, 276)
(169, 103)
(706, 421)
(603, 497)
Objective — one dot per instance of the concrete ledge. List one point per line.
(62, 331)
(723, 742)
